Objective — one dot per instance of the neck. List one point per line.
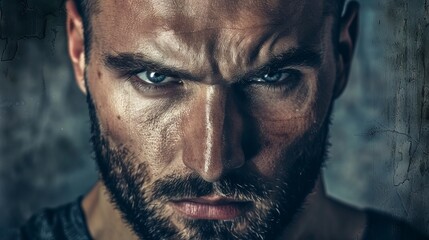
(103, 219)
(321, 218)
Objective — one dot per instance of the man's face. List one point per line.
(210, 117)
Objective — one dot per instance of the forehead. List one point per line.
(234, 31)
(189, 15)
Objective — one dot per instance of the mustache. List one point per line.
(241, 187)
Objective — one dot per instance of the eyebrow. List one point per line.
(133, 63)
(303, 57)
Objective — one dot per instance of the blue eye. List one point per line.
(154, 77)
(274, 77)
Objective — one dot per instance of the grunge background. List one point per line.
(380, 134)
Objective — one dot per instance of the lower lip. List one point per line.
(225, 211)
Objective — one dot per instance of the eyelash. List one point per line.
(282, 86)
(131, 76)
(279, 86)
(144, 86)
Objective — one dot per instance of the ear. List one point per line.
(76, 44)
(349, 26)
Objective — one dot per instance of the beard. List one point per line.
(142, 203)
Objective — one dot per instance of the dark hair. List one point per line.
(86, 8)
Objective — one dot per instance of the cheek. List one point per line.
(287, 127)
(285, 119)
(148, 128)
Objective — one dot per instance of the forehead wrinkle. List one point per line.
(235, 44)
(177, 15)
(188, 51)
(155, 15)
(239, 52)
(186, 16)
(233, 50)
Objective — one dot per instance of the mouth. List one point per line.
(211, 208)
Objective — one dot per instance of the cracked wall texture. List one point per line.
(380, 133)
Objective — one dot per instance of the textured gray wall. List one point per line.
(44, 131)
(380, 133)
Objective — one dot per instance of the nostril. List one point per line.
(234, 158)
(234, 164)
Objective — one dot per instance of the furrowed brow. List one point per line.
(133, 63)
(303, 57)
(297, 57)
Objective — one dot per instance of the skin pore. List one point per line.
(210, 118)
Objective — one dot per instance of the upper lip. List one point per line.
(210, 200)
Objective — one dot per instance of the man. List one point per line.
(210, 121)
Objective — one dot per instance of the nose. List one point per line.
(213, 134)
